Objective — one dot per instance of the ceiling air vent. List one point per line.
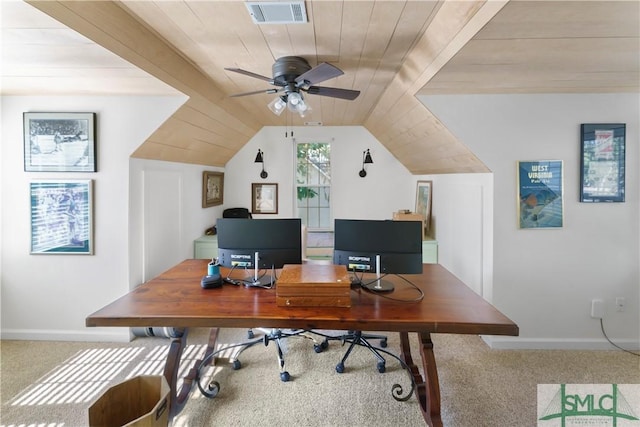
(277, 12)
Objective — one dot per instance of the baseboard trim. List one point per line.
(93, 335)
(513, 343)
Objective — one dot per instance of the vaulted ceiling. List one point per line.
(391, 51)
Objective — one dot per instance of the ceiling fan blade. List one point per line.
(319, 73)
(254, 93)
(334, 92)
(250, 74)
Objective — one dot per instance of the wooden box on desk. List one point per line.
(313, 285)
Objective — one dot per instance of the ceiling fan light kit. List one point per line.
(293, 75)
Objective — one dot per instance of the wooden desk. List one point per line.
(176, 299)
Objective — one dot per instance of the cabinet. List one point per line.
(430, 251)
(205, 247)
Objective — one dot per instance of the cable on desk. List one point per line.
(249, 283)
(419, 298)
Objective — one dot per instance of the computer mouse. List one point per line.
(211, 282)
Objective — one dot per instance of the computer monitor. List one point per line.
(259, 243)
(377, 246)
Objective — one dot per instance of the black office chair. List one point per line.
(356, 338)
(274, 334)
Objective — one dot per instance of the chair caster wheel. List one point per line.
(284, 376)
(324, 344)
(236, 365)
(381, 367)
(213, 388)
(250, 335)
(340, 368)
(319, 348)
(383, 343)
(266, 340)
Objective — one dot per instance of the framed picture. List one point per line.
(540, 194)
(264, 198)
(62, 217)
(59, 142)
(602, 162)
(424, 190)
(212, 188)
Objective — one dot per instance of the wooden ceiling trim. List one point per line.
(396, 120)
(564, 19)
(355, 23)
(154, 151)
(217, 129)
(473, 22)
(327, 20)
(181, 135)
(454, 24)
(445, 26)
(232, 128)
(122, 34)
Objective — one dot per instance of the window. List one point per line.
(313, 184)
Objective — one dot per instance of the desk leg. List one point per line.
(172, 366)
(428, 394)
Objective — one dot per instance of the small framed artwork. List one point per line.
(59, 142)
(62, 217)
(540, 194)
(264, 198)
(602, 162)
(424, 192)
(212, 188)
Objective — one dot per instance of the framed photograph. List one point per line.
(602, 162)
(59, 142)
(264, 198)
(424, 190)
(540, 194)
(212, 188)
(62, 217)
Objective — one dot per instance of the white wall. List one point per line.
(388, 186)
(545, 279)
(542, 279)
(49, 296)
(166, 215)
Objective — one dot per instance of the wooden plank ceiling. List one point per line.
(389, 50)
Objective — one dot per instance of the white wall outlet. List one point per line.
(597, 308)
(620, 304)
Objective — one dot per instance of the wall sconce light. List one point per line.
(366, 158)
(260, 159)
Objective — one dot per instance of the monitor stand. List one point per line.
(380, 285)
(264, 281)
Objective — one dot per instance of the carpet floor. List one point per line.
(53, 384)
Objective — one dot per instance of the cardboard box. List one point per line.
(313, 285)
(142, 401)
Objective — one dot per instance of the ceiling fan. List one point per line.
(293, 75)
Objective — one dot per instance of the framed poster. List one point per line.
(602, 162)
(59, 142)
(423, 203)
(264, 198)
(212, 188)
(62, 217)
(540, 194)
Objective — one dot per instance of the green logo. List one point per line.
(586, 404)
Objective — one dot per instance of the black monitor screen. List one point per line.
(276, 241)
(398, 243)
